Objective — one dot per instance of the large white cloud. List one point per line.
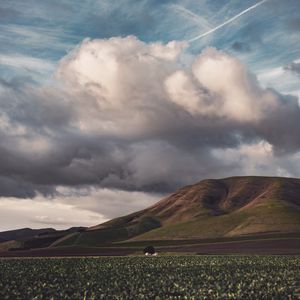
(220, 86)
(119, 77)
(122, 86)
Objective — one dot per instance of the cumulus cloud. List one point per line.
(124, 114)
(222, 89)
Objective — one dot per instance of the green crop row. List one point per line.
(184, 277)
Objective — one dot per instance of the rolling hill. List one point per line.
(213, 208)
(27, 238)
(23, 233)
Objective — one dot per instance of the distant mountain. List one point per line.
(23, 233)
(213, 208)
(27, 238)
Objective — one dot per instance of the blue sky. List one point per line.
(105, 106)
(35, 35)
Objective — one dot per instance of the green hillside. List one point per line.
(275, 217)
(115, 232)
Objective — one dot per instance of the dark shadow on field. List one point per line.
(264, 246)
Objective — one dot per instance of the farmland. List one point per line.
(166, 277)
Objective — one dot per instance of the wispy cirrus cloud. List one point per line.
(197, 19)
(29, 35)
(29, 63)
(227, 22)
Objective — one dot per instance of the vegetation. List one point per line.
(274, 215)
(181, 277)
(105, 235)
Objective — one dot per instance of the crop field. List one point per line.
(165, 277)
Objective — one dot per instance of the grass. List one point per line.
(191, 241)
(98, 237)
(93, 237)
(271, 216)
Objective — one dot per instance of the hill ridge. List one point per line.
(211, 208)
(232, 206)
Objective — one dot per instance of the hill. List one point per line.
(213, 208)
(23, 233)
(27, 238)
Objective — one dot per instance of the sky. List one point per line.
(107, 106)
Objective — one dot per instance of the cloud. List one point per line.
(280, 78)
(26, 62)
(293, 67)
(127, 115)
(106, 201)
(294, 24)
(39, 213)
(72, 207)
(258, 158)
(232, 19)
(188, 14)
(222, 88)
(7, 13)
(241, 47)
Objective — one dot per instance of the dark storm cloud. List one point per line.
(18, 187)
(281, 127)
(151, 126)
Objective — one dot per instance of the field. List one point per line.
(165, 277)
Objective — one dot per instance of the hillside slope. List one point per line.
(27, 238)
(212, 208)
(23, 233)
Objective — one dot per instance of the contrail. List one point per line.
(227, 22)
(187, 13)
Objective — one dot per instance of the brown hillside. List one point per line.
(212, 208)
(217, 197)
